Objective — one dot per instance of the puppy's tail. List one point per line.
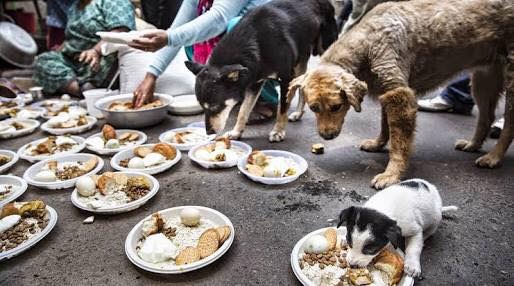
(449, 209)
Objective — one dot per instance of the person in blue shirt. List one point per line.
(191, 27)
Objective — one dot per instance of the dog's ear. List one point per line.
(354, 90)
(346, 215)
(234, 73)
(195, 68)
(294, 85)
(394, 234)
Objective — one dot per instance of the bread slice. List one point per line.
(391, 263)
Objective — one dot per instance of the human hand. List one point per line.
(91, 57)
(151, 41)
(144, 92)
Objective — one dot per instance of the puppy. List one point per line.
(273, 40)
(410, 210)
(402, 49)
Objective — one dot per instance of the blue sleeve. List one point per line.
(189, 28)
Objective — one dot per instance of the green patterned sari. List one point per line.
(55, 70)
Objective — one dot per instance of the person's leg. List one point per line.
(455, 97)
(54, 73)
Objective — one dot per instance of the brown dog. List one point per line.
(399, 50)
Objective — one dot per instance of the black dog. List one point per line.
(274, 40)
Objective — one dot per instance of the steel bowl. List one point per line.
(134, 118)
(16, 46)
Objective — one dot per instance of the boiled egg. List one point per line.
(58, 120)
(27, 114)
(85, 186)
(170, 137)
(276, 168)
(157, 248)
(203, 154)
(46, 176)
(190, 216)
(153, 159)
(95, 142)
(112, 144)
(62, 140)
(136, 163)
(76, 111)
(316, 244)
(8, 222)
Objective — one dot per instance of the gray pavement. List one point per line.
(472, 247)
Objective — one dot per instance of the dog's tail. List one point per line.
(449, 209)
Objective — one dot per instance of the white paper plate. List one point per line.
(32, 159)
(38, 110)
(124, 38)
(40, 104)
(186, 147)
(128, 153)
(16, 181)
(136, 233)
(31, 124)
(300, 163)
(298, 249)
(91, 121)
(33, 240)
(154, 188)
(220, 165)
(105, 151)
(31, 172)
(185, 105)
(14, 159)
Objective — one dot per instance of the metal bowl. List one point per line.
(134, 118)
(16, 46)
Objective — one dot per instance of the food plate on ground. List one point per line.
(111, 141)
(22, 225)
(118, 110)
(319, 259)
(149, 158)
(179, 239)
(272, 167)
(186, 138)
(50, 146)
(185, 105)
(7, 160)
(114, 192)
(62, 171)
(222, 153)
(11, 128)
(123, 38)
(52, 107)
(69, 123)
(11, 187)
(8, 106)
(26, 112)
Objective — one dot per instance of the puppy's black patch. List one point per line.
(414, 185)
(382, 228)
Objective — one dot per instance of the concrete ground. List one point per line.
(472, 247)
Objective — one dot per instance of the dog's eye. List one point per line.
(335, 108)
(315, 108)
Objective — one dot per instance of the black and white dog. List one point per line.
(410, 210)
(274, 40)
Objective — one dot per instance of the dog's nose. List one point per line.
(328, 135)
(210, 131)
(353, 265)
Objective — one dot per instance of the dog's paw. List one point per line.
(412, 268)
(489, 160)
(295, 116)
(234, 134)
(466, 146)
(384, 180)
(371, 145)
(277, 136)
